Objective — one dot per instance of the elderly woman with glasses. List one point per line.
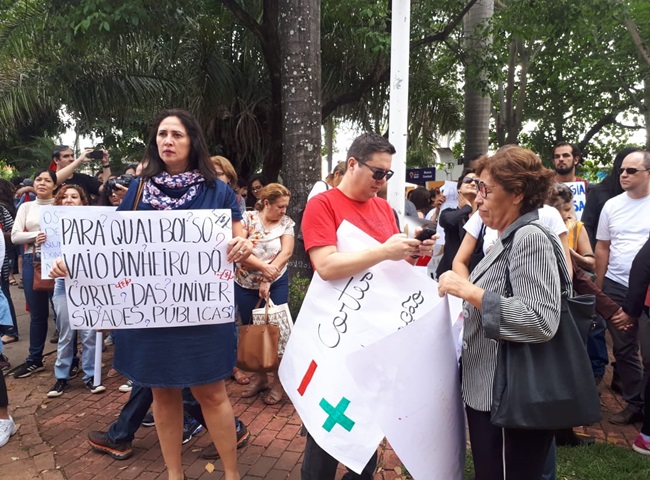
(513, 294)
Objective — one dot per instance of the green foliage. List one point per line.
(602, 461)
(297, 291)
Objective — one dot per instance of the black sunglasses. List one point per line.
(377, 173)
(470, 180)
(631, 170)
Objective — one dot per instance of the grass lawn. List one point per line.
(602, 461)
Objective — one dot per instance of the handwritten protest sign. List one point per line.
(147, 269)
(411, 379)
(338, 318)
(579, 191)
(50, 225)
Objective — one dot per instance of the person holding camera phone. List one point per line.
(64, 164)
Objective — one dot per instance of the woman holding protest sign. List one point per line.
(178, 175)
(71, 196)
(264, 274)
(27, 231)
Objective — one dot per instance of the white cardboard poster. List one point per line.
(338, 318)
(147, 269)
(51, 226)
(579, 196)
(423, 404)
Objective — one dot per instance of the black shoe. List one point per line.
(191, 427)
(95, 388)
(243, 435)
(58, 388)
(74, 368)
(4, 363)
(100, 442)
(568, 438)
(628, 415)
(148, 420)
(27, 368)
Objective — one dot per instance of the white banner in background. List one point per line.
(338, 318)
(147, 269)
(51, 226)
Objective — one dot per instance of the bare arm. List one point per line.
(333, 265)
(583, 256)
(460, 265)
(62, 174)
(602, 260)
(286, 252)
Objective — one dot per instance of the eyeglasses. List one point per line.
(483, 189)
(469, 180)
(631, 170)
(377, 173)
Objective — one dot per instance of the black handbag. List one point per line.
(549, 385)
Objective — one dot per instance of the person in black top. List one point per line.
(452, 220)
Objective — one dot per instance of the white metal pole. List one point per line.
(399, 93)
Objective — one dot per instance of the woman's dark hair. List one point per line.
(199, 157)
(250, 199)
(612, 182)
(7, 190)
(519, 171)
(421, 199)
(559, 195)
(466, 170)
(58, 199)
(131, 166)
(52, 174)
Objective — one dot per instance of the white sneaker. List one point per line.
(127, 387)
(7, 429)
(108, 341)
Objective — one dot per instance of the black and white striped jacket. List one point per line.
(531, 314)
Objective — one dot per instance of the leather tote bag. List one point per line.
(548, 385)
(258, 347)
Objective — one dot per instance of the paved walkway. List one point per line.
(51, 440)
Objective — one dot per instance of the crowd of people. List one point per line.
(515, 246)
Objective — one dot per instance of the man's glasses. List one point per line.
(469, 180)
(631, 170)
(377, 173)
(483, 189)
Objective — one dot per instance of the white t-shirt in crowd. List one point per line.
(318, 187)
(625, 222)
(548, 215)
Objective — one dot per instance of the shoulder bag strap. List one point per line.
(138, 194)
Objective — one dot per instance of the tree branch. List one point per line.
(244, 17)
(608, 119)
(445, 32)
(382, 69)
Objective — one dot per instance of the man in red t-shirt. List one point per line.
(355, 200)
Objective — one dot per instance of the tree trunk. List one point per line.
(299, 34)
(477, 103)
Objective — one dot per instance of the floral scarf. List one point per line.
(161, 201)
